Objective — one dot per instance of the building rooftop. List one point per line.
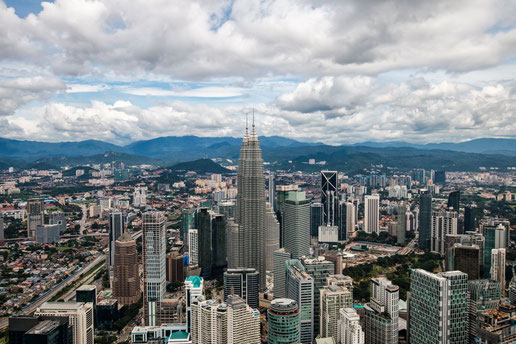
(44, 327)
(61, 306)
(195, 280)
(87, 287)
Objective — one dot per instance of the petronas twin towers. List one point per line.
(251, 206)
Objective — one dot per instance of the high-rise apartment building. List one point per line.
(330, 197)
(333, 298)
(243, 322)
(126, 276)
(382, 312)
(154, 265)
(194, 287)
(351, 220)
(35, 216)
(372, 214)
(438, 307)
(349, 330)
(425, 219)
(243, 283)
(444, 223)
(283, 316)
(193, 246)
(251, 204)
(402, 223)
(116, 228)
(80, 316)
(297, 224)
(300, 288)
(497, 273)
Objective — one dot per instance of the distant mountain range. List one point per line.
(283, 152)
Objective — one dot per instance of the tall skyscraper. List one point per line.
(497, 273)
(243, 322)
(372, 214)
(116, 228)
(333, 298)
(271, 237)
(466, 258)
(297, 224)
(319, 268)
(126, 276)
(154, 265)
(382, 312)
(283, 316)
(35, 216)
(271, 191)
(454, 200)
(469, 219)
(484, 295)
(495, 237)
(316, 213)
(243, 283)
(194, 287)
(80, 317)
(300, 288)
(425, 219)
(251, 204)
(234, 250)
(351, 220)
(280, 272)
(187, 222)
(218, 244)
(193, 245)
(443, 223)
(438, 307)
(402, 223)
(204, 232)
(329, 197)
(349, 330)
(282, 192)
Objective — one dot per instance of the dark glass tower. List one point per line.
(315, 218)
(425, 219)
(469, 219)
(205, 238)
(454, 200)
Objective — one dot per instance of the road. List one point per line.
(409, 248)
(52, 292)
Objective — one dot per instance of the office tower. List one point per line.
(187, 222)
(35, 216)
(80, 316)
(116, 228)
(37, 330)
(243, 322)
(402, 223)
(443, 223)
(319, 268)
(454, 200)
(316, 213)
(283, 316)
(58, 219)
(495, 237)
(467, 259)
(484, 295)
(381, 325)
(469, 219)
(106, 314)
(175, 267)
(300, 288)
(154, 263)
(87, 293)
(419, 175)
(333, 297)
(297, 224)
(328, 234)
(497, 273)
(126, 276)
(372, 214)
(218, 242)
(251, 204)
(243, 283)
(282, 192)
(343, 221)
(204, 230)
(194, 288)
(425, 219)
(271, 189)
(440, 177)
(351, 220)
(280, 257)
(2, 235)
(438, 308)
(329, 197)
(349, 330)
(271, 237)
(234, 250)
(47, 234)
(228, 209)
(193, 246)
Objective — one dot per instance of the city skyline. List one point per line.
(374, 70)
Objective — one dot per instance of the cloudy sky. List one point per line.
(331, 71)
